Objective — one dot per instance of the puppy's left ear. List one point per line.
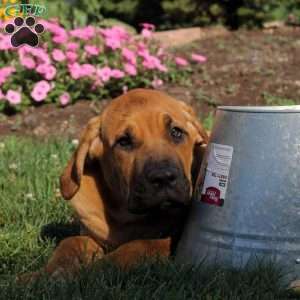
(90, 147)
(199, 150)
(201, 140)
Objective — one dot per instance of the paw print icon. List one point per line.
(24, 32)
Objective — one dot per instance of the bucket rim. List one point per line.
(262, 109)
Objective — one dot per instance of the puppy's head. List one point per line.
(147, 145)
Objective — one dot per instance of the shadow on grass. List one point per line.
(153, 280)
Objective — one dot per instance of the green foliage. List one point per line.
(277, 100)
(208, 121)
(232, 13)
(29, 173)
(74, 13)
(254, 13)
(174, 13)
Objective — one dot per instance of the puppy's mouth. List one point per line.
(168, 190)
(165, 206)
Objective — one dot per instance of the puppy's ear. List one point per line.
(90, 146)
(199, 150)
(201, 140)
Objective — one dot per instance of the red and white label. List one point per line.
(216, 174)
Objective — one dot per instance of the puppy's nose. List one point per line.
(160, 178)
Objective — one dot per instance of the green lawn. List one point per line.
(29, 173)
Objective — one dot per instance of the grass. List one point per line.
(202, 97)
(28, 181)
(208, 121)
(277, 100)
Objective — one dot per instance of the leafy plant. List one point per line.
(85, 63)
(208, 121)
(277, 100)
(168, 14)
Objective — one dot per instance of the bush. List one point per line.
(256, 12)
(178, 13)
(84, 63)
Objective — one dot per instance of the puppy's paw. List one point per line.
(27, 278)
(58, 275)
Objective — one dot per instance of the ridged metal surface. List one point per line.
(261, 212)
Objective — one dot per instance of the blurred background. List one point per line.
(204, 52)
(169, 14)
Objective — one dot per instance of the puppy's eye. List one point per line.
(177, 134)
(125, 142)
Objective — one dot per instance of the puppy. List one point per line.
(130, 181)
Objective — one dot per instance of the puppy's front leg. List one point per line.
(132, 252)
(70, 255)
(73, 253)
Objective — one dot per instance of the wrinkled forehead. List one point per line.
(152, 114)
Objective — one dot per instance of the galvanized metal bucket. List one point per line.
(259, 216)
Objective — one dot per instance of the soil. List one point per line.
(259, 67)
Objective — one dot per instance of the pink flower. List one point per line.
(116, 73)
(27, 62)
(60, 35)
(13, 97)
(87, 70)
(148, 26)
(114, 36)
(40, 54)
(72, 46)
(198, 58)
(125, 89)
(115, 32)
(91, 50)
(42, 68)
(160, 51)
(50, 72)
(146, 33)
(157, 83)
(104, 73)
(58, 55)
(85, 33)
(40, 90)
(38, 95)
(5, 72)
(130, 69)
(64, 98)
(147, 30)
(151, 62)
(43, 85)
(181, 61)
(75, 70)
(113, 43)
(5, 42)
(60, 39)
(142, 50)
(96, 84)
(71, 56)
(162, 68)
(129, 55)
